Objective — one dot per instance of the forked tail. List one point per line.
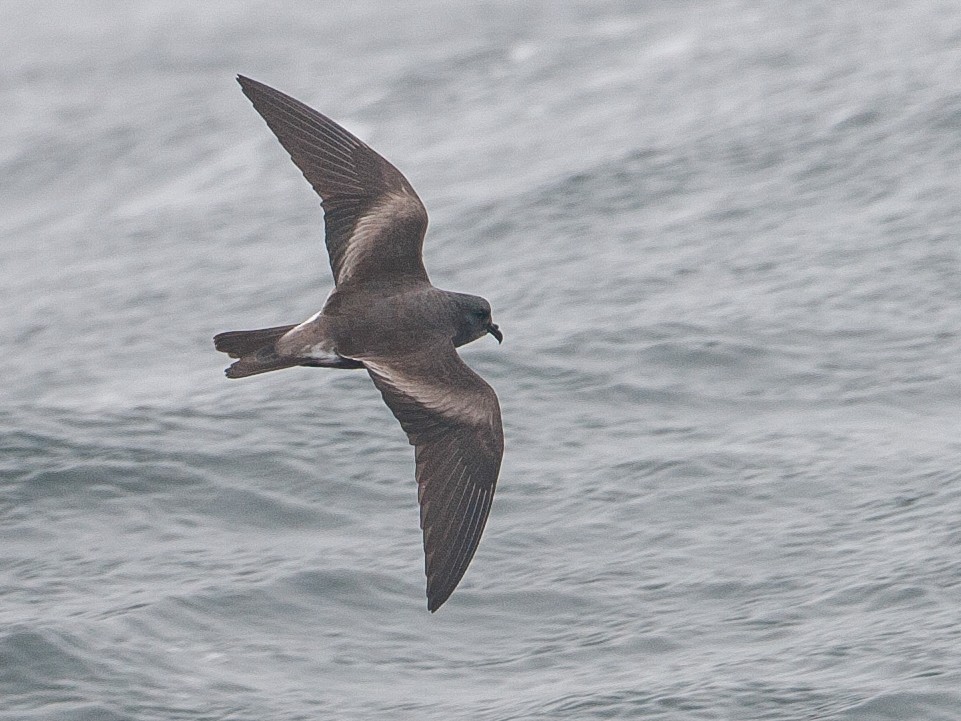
(255, 349)
(238, 343)
(257, 354)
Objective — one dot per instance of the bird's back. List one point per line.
(377, 322)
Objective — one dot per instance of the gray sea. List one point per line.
(723, 240)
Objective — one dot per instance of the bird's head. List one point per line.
(473, 319)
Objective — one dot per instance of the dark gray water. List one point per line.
(722, 239)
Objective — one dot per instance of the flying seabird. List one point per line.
(386, 317)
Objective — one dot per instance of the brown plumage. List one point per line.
(385, 316)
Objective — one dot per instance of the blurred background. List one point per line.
(722, 240)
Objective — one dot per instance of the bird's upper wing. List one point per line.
(453, 420)
(374, 220)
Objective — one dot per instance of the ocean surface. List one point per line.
(723, 240)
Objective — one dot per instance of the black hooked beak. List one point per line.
(496, 332)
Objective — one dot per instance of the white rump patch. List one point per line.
(310, 320)
(322, 352)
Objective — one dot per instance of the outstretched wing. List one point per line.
(453, 420)
(374, 220)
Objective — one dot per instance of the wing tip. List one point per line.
(437, 600)
(249, 85)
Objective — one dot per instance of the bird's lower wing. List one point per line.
(452, 418)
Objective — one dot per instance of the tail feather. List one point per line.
(262, 361)
(238, 343)
(256, 353)
(255, 349)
